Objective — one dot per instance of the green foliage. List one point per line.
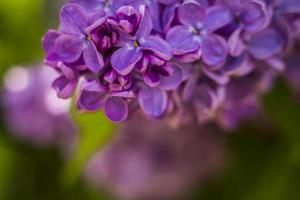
(95, 130)
(21, 30)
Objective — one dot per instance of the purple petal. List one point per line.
(217, 17)
(158, 46)
(146, 25)
(181, 40)
(124, 39)
(189, 57)
(116, 109)
(91, 101)
(172, 81)
(64, 87)
(124, 94)
(168, 2)
(92, 96)
(73, 18)
(235, 44)
(127, 19)
(215, 50)
(67, 71)
(49, 41)
(89, 5)
(255, 15)
(168, 16)
(220, 78)
(69, 47)
(191, 13)
(204, 3)
(265, 44)
(288, 6)
(153, 101)
(134, 3)
(238, 66)
(151, 78)
(96, 20)
(92, 58)
(156, 10)
(124, 59)
(206, 102)
(189, 88)
(277, 64)
(110, 76)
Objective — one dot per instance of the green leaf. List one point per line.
(96, 130)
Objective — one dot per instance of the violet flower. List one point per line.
(74, 40)
(196, 37)
(132, 47)
(95, 96)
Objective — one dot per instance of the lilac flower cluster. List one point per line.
(192, 59)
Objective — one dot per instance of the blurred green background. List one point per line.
(263, 162)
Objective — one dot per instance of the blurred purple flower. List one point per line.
(32, 110)
(150, 160)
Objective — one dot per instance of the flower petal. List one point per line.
(96, 20)
(215, 50)
(172, 81)
(116, 109)
(168, 2)
(91, 101)
(49, 41)
(153, 101)
(151, 78)
(73, 18)
(255, 15)
(189, 88)
(64, 87)
(288, 6)
(191, 13)
(116, 4)
(168, 16)
(69, 47)
(235, 43)
(92, 58)
(265, 44)
(124, 59)
(155, 11)
(89, 5)
(217, 17)
(67, 71)
(218, 77)
(158, 46)
(146, 25)
(181, 40)
(238, 66)
(92, 96)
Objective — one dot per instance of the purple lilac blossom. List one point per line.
(33, 112)
(170, 58)
(151, 160)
